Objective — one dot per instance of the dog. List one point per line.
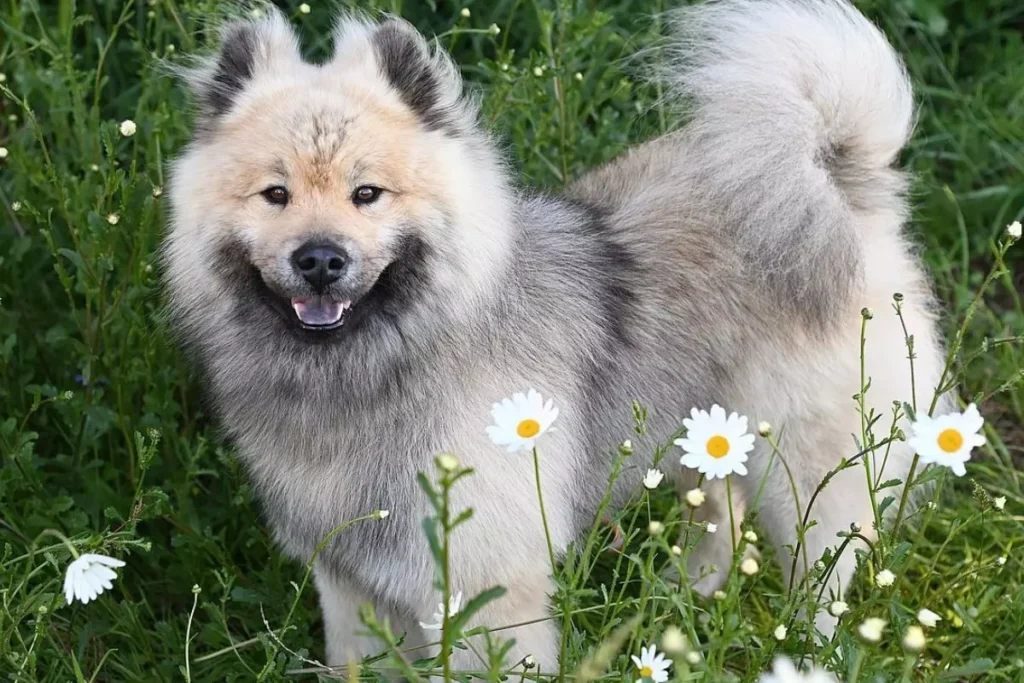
(361, 278)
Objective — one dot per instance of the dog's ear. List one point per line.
(424, 76)
(248, 50)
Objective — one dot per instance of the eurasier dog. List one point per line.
(361, 278)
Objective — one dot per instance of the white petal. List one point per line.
(103, 559)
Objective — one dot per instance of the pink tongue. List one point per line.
(318, 310)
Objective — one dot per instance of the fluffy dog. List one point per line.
(361, 279)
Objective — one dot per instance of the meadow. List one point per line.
(109, 447)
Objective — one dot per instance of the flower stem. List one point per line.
(543, 514)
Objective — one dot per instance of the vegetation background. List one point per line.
(105, 436)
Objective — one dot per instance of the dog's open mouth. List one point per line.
(320, 312)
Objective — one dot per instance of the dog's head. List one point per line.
(315, 197)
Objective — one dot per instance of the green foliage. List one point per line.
(106, 439)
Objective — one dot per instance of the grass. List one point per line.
(106, 440)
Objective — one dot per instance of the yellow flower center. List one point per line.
(950, 440)
(528, 428)
(718, 446)
(646, 672)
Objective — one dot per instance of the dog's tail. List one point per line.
(798, 108)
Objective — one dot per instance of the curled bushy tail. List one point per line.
(798, 107)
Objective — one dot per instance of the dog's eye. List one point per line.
(276, 195)
(366, 194)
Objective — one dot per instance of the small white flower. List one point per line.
(15, 207)
(750, 537)
(652, 665)
(519, 421)
(383, 514)
(538, 72)
(465, 13)
(749, 566)
(719, 595)
(948, 439)
(305, 9)
(838, 608)
(784, 671)
(627, 447)
(674, 641)
(712, 527)
(113, 218)
(88, 576)
(170, 47)
(695, 498)
(764, 428)
(913, 639)
(1001, 560)
(871, 629)
(447, 462)
(655, 528)
(454, 605)
(3, 78)
(652, 479)
(94, 167)
(928, 618)
(999, 503)
(780, 632)
(529, 662)
(578, 76)
(676, 550)
(3, 152)
(494, 29)
(1013, 230)
(693, 658)
(157, 191)
(715, 444)
(885, 578)
(127, 128)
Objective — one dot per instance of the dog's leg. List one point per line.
(708, 564)
(346, 637)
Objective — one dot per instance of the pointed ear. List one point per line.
(424, 76)
(248, 49)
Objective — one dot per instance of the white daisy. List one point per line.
(652, 665)
(88, 576)
(928, 618)
(712, 527)
(653, 478)
(519, 421)
(871, 629)
(838, 608)
(948, 439)
(454, 605)
(913, 639)
(695, 498)
(783, 671)
(716, 445)
(885, 578)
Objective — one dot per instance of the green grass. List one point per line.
(106, 439)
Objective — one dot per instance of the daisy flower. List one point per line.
(715, 444)
(913, 639)
(838, 608)
(88, 576)
(652, 665)
(695, 498)
(948, 439)
(454, 605)
(652, 479)
(519, 421)
(783, 671)
(885, 578)
(871, 629)
(712, 528)
(928, 618)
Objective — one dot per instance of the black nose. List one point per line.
(320, 264)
